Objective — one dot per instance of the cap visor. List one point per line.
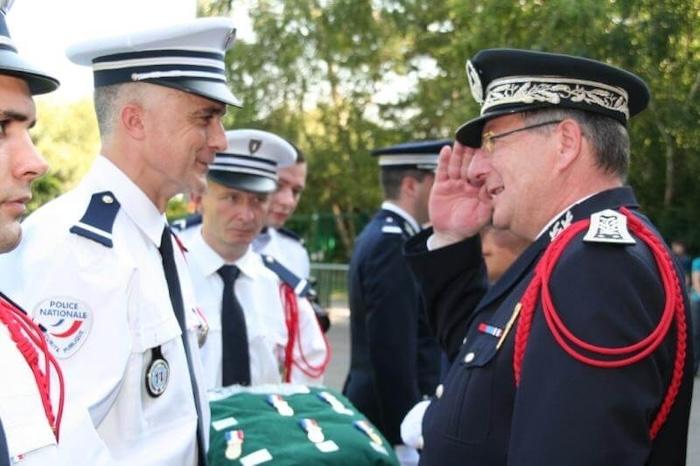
(213, 90)
(38, 82)
(469, 134)
(243, 182)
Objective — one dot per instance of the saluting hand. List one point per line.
(457, 211)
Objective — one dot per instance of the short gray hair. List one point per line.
(108, 100)
(607, 136)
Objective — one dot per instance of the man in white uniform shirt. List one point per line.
(249, 341)
(29, 413)
(98, 267)
(279, 242)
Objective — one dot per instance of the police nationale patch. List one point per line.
(67, 322)
(608, 226)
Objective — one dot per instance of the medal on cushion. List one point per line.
(157, 373)
(312, 429)
(234, 444)
(365, 427)
(280, 404)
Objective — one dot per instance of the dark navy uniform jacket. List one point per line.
(4, 454)
(395, 360)
(564, 413)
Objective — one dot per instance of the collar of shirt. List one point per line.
(210, 261)
(388, 205)
(556, 217)
(132, 200)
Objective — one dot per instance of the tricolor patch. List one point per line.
(67, 322)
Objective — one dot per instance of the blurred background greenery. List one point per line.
(341, 77)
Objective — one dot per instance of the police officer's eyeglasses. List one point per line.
(488, 139)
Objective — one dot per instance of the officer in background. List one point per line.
(29, 413)
(262, 328)
(275, 240)
(580, 353)
(395, 360)
(99, 267)
(282, 243)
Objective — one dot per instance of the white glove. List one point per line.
(412, 425)
(407, 456)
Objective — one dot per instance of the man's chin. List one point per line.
(277, 221)
(9, 240)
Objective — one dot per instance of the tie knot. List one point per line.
(229, 273)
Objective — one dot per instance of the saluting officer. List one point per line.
(395, 360)
(262, 328)
(99, 267)
(579, 354)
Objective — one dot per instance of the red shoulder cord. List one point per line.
(30, 341)
(291, 316)
(625, 355)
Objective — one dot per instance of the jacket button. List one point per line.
(469, 357)
(438, 391)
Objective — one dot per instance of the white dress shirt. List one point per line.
(123, 297)
(258, 291)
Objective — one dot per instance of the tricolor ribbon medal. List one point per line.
(280, 405)
(490, 329)
(337, 406)
(365, 427)
(312, 429)
(234, 444)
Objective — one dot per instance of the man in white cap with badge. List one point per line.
(100, 268)
(262, 328)
(579, 354)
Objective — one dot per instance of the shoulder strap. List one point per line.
(299, 285)
(186, 222)
(98, 220)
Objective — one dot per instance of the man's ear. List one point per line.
(570, 143)
(132, 118)
(409, 185)
(196, 202)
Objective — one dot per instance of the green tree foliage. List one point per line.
(341, 77)
(67, 136)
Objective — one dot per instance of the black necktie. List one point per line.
(170, 269)
(234, 336)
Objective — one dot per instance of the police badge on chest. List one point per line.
(157, 373)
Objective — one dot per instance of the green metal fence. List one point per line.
(331, 284)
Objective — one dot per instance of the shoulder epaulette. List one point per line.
(186, 222)
(390, 226)
(98, 220)
(608, 226)
(299, 285)
(290, 234)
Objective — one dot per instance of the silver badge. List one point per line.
(230, 37)
(475, 83)
(608, 226)
(254, 145)
(157, 374)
